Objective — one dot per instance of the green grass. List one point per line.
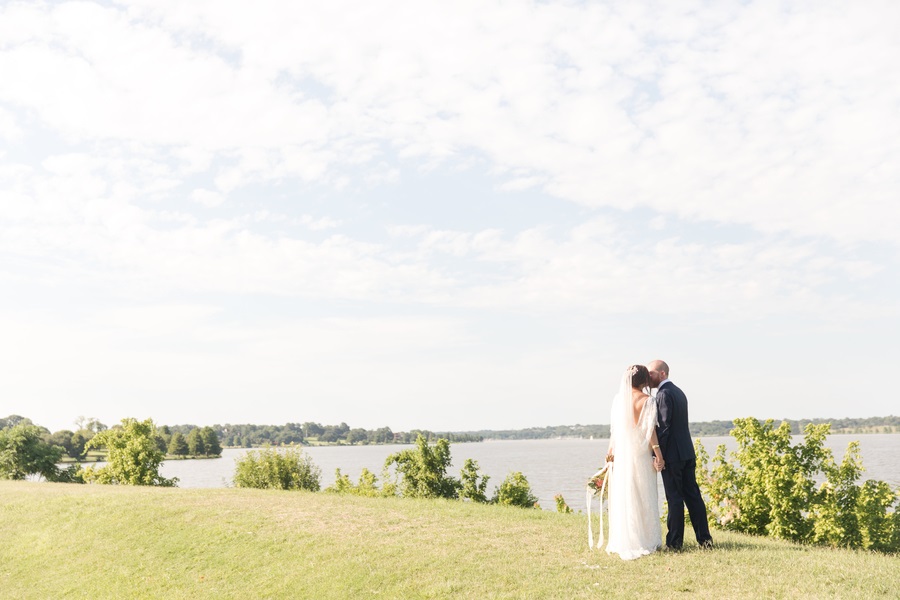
(80, 541)
(92, 456)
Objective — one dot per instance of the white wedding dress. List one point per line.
(634, 525)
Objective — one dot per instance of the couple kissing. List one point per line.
(648, 435)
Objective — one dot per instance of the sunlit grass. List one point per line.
(121, 542)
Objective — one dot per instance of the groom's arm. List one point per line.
(663, 427)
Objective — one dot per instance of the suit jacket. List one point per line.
(672, 430)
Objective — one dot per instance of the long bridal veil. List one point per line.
(634, 526)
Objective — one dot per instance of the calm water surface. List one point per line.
(551, 466)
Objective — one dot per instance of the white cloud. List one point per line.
(319, 224)
(688, 112)
(9, 127)
(207, 198)
(67, 213)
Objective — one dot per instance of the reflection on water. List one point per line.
(552, 466)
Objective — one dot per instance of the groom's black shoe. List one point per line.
(673, 548)
(707, 545)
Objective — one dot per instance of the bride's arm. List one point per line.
(654, 447)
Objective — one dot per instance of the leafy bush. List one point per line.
(367, 485)
(561, 506)
(515, 491)
(285, 469)
(24, 452)
(471, 487)
(424, 470)
(769, 488)
(133, 456)
(424, 475)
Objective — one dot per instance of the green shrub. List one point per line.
(367, 486)
(24, 452)
(424, 470)
(561, 506)
(515, 491)
(284, 469)
(473, 486)
(769, 488)
(133, 456)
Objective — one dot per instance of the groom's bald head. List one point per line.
(658, 365)
(659, 372)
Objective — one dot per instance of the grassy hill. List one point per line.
(79, 541)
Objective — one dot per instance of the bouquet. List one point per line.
(595, 483)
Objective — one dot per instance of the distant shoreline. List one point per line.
(889, 424)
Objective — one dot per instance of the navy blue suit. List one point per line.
(679, 476)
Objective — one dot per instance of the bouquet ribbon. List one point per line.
(606, 472)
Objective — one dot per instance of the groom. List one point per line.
(679, 478)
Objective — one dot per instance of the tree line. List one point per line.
(187, 441)
(208, 441)
(251, 436)
(889, 424)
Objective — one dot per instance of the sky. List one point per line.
(446, 215)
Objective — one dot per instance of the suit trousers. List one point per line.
(680, 482)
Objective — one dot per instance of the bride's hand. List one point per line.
(659, 463)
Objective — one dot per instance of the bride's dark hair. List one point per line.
(640, 377)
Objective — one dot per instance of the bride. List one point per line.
(634, 526)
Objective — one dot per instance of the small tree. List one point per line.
(471, 488)
(311, 429)
(63, 439)
(162, 442)
(178, 445)
(383, 435)
(195, 443)
(211, 445)
(356, 436)
(515, 491)
(342, 484)
(133, 456)
(424, 470)
(368, 484)
(329, 436)
(79, 441)
(268, 468)
(24, 452)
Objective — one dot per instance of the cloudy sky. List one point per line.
(446, 215)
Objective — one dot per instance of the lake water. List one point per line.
(552, 466)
